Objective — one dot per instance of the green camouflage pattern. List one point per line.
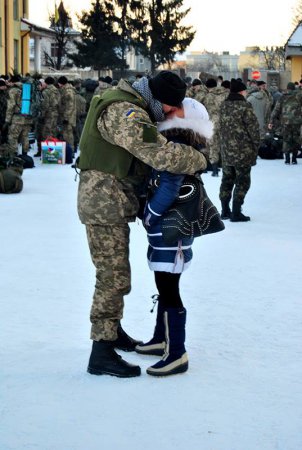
(14, 101)
(212, 102)
(49, 111)
(288, 113)
(240, 177)
(3, 106)
(109, 249)
(288, 109)
(239, 132)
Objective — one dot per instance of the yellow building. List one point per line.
(14, 42)
(293, 53)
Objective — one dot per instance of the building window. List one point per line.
(25, 4)
(16, 54)
(16, 9)
(54, 50)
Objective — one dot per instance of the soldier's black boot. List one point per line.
(225, 209)
(236, 215)
(287, 158)
(105, 361)
(175, 359)
(215, 170)
(294, 157)
(124, 341)
(156, 345)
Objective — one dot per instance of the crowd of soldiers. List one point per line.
(59, 108)
(270, 106)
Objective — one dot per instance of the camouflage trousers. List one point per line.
(109, 249)
(18, 133)
(67, 134)
(291, 138)
(237, 178)
(49, 127)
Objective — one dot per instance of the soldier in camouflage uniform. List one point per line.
(49, 111)
(239, 143)
(19, 124)
(104, 83)
(67, 110)
(288, 111)
(118, 145)
(212, 101)
(3, 106)
(81, 113)
(194, 88)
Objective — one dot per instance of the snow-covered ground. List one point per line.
(243, 390)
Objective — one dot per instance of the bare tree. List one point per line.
(297, 13)
(273, 58)
(61, 24)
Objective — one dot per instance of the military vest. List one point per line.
(96, 152)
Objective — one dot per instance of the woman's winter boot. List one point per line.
(105, 361)
(156, 346)
(175, 359)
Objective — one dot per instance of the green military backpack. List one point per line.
(10, 175)
(10, 182)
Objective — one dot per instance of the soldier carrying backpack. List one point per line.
(288, 111)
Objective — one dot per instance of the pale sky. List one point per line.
(221, 25)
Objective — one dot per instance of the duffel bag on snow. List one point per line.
(10, 181)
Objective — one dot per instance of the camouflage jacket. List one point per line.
(67, 106)
(80, 105)
(105, 199)
(14, 101)
(201, 93)
(288, 109)
(239, 132)
(101, 88)
(213, 100)
(50, 102)
(3, 105)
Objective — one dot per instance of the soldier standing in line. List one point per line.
(49, 111)
(239, 143)
(3, 106)
(104, 83)
(212, 101)
(119, 144)
(67, 110)
(19, 125)
(288, 111)
(81, 113)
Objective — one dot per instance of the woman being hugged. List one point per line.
(189, 124)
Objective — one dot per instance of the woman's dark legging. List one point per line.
(168, 288)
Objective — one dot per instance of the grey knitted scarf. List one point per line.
(142, 87)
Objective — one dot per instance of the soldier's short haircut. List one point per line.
(49, 80)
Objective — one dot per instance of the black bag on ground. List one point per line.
(28, 161)
(271, 147)
(192, 214)
(10, 181)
